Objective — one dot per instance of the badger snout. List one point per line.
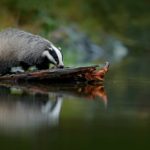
(61, 66)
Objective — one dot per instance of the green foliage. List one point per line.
(128, 19)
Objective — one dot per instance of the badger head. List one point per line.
(54, 55)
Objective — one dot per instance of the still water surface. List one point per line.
(114, 115)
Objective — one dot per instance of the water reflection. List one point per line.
(28, 111)
(33, 106)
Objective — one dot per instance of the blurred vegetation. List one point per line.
(126, 19)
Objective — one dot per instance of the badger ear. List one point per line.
(59, 48)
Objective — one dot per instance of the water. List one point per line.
(114, 115)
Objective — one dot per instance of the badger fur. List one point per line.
(20, 48)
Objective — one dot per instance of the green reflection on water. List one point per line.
(88, 124)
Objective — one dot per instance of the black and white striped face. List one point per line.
(54, 55)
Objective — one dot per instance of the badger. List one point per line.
(20, 48)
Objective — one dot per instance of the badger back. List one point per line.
(17, 45)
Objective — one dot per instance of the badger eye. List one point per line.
(54, 55)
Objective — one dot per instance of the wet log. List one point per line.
(89, 74)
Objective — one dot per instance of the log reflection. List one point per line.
(34, 105)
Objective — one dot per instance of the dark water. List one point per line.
(115, 115)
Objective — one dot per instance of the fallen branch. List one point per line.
(90, 74)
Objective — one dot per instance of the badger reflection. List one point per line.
(52, 109)
(32, 110)
(33, 106)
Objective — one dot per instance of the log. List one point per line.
(89, 74)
